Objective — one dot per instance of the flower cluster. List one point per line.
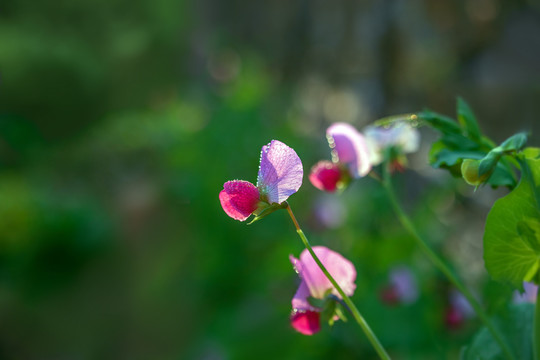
(350, 159)
(354, 153)
(280, 175)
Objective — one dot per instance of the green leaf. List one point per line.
(489, 162)
(468, 121)
(442, 123)
(515, 325)
(511, 250)
(529, 230)
(502, 176)
(445, 157)
(514, 143)
(460, 142)
(531, 153)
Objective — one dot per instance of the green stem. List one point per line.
(536, 327)
(354, 311)
(408, 225)
(389, 120)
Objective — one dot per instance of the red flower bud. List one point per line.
(325, 175)
(306, 322)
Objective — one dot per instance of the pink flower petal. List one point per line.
(300, 299)
(239, 199)
(280, 172)
(341, 269)
(325, 175)
(306, 322)
(350, 147)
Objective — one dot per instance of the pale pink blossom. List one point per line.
(402, 136)
(349, 148)
(315, 284)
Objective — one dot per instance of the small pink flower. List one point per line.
(402, 287)
(349, 148)
(305, 317)
(458, 310)
(350, 159)
(280, 176)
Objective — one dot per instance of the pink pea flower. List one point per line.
(280, 176)
(305, 317)
(402, 287)
(350, 159)
(458, 310)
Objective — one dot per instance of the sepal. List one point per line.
(264, 209)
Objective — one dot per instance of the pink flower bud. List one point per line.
(325, 175)
(239, 199)
(306, 322)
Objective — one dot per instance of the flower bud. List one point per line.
(306, 322)
(470, 172)
(327, 176)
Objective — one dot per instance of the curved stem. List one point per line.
(408, 225)
(536, 328)
(354, 311)
(389, 120)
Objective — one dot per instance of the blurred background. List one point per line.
(121, 120)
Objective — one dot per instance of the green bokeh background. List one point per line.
(120, 121)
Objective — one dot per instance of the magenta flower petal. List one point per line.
(280, 172)
(239, 199)
(350, 148)
(306, 322)
(325, 175)
(341, 269)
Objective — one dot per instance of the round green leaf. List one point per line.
(512, 234)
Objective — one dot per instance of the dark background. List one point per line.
(121, 120)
